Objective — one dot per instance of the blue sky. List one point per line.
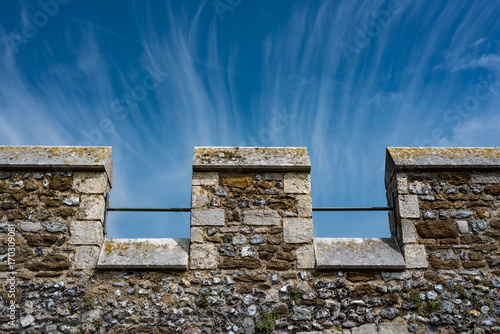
(345, 79)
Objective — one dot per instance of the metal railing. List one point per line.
(375, 208)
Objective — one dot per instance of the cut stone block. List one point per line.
(303, 205)
(197, 234)
(408, 234)
(207, 217)
(92, 207)
(365, 329)
(415, 256)
(297, 230)
(205, 179)
(358, 253)
(305, 257)
(144, 254)
(408, 206)
(198, 197)
(90, 182)
(402, 184)
(297, 183)
(203, 256)
(29, 227)
(462, 226)
(86, 257)
(86, 233)
(392, 328)
(485, 178)
(261, 217)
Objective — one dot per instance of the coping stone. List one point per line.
(166, 253)
(218, 158)
(358, 253)
(419, 158)
(58, 157)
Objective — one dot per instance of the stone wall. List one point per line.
(251, 258)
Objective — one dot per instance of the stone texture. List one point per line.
(197, 234)
(162, 253)
(402, 184)
(304, 206)
(485, 178)
(462, 226)
(90, 182)
(408, 206)
(297, 183)
(392, 328)
(305, 257)
(297, 230)
(357, 253)
(261, 217)
(91, 207)
(207, 217)
(86, 257)
(86, 233)
(203, 256)
(29, 227)
(408, 235)
(365, 329)
(205, 179)
(415, 256)
(199, 197)
(439, 229)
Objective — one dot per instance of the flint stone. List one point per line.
(261, 217)
(460, 214)
(479, 225)
(257, 239)
(301, 313)
(420, 188)
(358, 253)
(247, 251)
(71, 201)
(26, 321)
(55, 227)
(207, 217)
(239, 240)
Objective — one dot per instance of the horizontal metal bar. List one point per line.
(189, 209)
(355, 209)
(152, 209)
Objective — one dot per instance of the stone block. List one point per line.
(297, 230)
(463, 226)
(164, 253)
(261, 217)
(273, 176)
(297, 183)
(365, 329)
(304, 205)
(485, 178)
(415, 256)
(86, 257)
(392, 328)
(90, 182)
(236, 180)
(408, 206)
(30, 227)
(198, 197)
(205, 179)
(305, 257)
(92, 207)
(408, 234)
(86, 233)
(197, 234)
(207, 217)
(203, 256)
(402, 184)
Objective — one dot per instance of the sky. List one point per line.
(344, 78)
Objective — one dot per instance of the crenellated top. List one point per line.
(58, 157)
(285, 159)
(416, 158)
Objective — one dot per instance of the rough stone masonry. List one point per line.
(251, 264)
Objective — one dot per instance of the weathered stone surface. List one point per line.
(462, 226)
(439, 229)
(90, 182)
(236, 180)
(205, 179)
(239, 240)
(297, 230)
(304, 206)
(144, 253)
(408, 206)
(251, 158)
(485, 178)
(86, 257)
(305, 257)
(203, 256)
(478, 225)
(408, 235)
(92, 207)
(415, 256)
(55, 227)
(197, 234)
(460, 214)
(198, 197)
(273, 176)
(392, 328)
(297, 183)
(261, 217)
(86, 233)
(29, 227)
(357, 253)
(402, 184)
(365, 329)
(207, 217)
(237, 263)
